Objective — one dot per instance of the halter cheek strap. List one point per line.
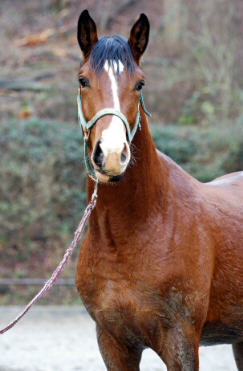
(87, 126)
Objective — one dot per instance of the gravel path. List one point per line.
(63, 339)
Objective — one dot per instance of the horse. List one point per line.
(160, 266)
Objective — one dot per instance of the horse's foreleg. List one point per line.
(179, 350)
(117, 357)
(238, 354)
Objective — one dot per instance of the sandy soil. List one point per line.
(63, 339)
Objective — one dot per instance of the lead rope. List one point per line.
(55, 275)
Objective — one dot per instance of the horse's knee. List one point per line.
(184, 358)
(180, 351)
(117, 356)
(238, 354)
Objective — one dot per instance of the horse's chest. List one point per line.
(122, 309)
(110, 298)
(125, 312)
(124, 297)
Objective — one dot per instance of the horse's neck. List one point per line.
(131, 200)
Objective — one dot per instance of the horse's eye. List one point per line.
(84, 82)
(139, 85)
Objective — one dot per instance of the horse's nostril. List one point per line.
(124, 154)
(98, 155)
(123, 158)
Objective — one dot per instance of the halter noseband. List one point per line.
(87, 126)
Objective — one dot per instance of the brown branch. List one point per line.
(123, 6)
(22, 84)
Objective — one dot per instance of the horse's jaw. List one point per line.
(105, 178)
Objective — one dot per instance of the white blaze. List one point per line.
(114, 137)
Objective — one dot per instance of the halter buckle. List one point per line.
(86, 134)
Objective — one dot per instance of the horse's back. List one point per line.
(226, 192)
(228, 180)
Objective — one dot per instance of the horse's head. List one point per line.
(110, 78)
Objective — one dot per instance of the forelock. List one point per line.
(112, 49)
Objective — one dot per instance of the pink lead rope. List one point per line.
(55, 275)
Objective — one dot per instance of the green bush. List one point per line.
(42, 188)
(205, 153)
(171, 141)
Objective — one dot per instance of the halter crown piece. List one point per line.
(87, 126)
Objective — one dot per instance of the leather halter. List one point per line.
(87, 126)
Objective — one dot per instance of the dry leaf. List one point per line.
(59, 52)
(24, 114)
(36, 39)
(72, 40)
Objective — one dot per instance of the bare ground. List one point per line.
(63, 339)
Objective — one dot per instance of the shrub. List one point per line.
(42, 189)
(205, 153)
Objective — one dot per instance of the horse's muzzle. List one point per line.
(110, 163)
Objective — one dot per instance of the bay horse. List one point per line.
(161, 263)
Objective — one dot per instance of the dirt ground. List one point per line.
(63, 339)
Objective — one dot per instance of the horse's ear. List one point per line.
(139, 37)
(86, 33)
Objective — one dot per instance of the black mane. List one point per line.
(112, 49)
